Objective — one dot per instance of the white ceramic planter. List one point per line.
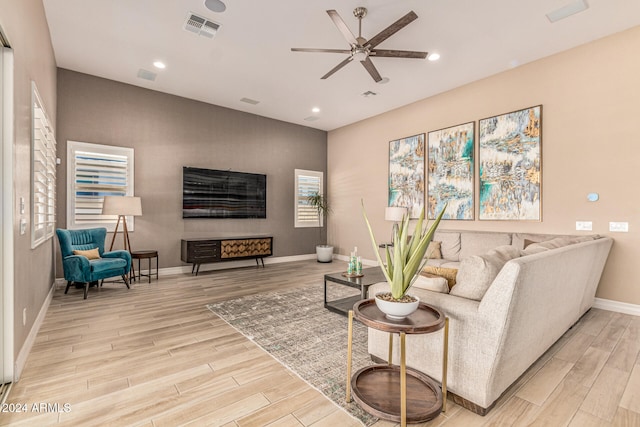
(324, 253)
(397, 310)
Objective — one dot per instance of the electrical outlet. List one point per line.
(619, 227)
(584, 225)
(23, 226)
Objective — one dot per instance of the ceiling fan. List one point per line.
(362, 49)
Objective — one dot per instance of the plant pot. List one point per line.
(396, 310)
(324, 253)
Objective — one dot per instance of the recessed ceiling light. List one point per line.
(315, 110)
(434, 57)
(159, 64)
(384, 80)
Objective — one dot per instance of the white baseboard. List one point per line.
(33, 333)
(620, 307)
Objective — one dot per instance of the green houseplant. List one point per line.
(407, 257)
(324, 252)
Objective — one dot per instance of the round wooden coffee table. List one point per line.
(395, 392)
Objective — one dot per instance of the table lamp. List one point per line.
(395, 214)
(122, 206)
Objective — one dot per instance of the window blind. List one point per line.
(96, 171)
(307, 183)
(43, 190)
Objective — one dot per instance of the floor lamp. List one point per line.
(122, 206)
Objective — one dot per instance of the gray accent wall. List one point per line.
(25, 25)
(168, 132)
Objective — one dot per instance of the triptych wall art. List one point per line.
(450, 172)
(406, 174)
(509, 169)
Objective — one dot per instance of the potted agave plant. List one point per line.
(403, 266)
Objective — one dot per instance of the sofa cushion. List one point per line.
(433, 250)
(448, 273)
(480, 243)
(106, 264)
(89, 253)
(432, 283)
(449, 244)
(477, 272)
(558, 242)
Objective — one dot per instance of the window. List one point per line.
(306, 184)
(43, 169)
(95, 171)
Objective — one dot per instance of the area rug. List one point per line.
(295, 328)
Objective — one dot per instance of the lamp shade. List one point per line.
(394, 213)
(122, 205)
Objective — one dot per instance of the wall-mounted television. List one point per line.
(209, 193)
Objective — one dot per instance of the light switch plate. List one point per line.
(584, 225)
(619, 227)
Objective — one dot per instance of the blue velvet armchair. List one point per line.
(80, 269)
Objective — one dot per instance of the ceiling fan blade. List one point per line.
(368, 65)
(392, 29)
(342, 27)
(302, 49)
(383, 53)
(337, 67)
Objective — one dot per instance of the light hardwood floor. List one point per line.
(155, 356)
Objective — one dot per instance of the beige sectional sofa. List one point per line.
(509, 306)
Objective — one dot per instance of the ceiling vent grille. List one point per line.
(201, 26)
(146, 74)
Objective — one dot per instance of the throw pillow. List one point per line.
(434, 251)
(447, 273)
(478, 272)
(432, 283)
(558, 242)
(90, 254)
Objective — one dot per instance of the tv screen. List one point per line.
(208, 193)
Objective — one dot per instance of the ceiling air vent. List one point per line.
(250, 101)
(146, 74)
(201, 26)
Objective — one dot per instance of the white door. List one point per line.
(6, 214)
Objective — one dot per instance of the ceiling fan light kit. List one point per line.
(362, 49)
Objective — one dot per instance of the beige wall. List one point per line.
(168, 132)
(590, 97)
(24, 24)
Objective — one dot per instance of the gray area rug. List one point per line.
(294, 327)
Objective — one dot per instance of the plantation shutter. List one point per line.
(96, 171)
(43, 191)
(307, 183)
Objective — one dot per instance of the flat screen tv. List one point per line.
(209, 193)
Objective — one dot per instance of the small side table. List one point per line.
(421, 398)
(145, 254)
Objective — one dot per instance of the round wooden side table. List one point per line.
(395, 392)
(145, 254)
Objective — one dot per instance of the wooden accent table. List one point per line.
(376, 387)
(144, 254)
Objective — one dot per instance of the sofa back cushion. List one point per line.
(477, 272)
(481, 243)
(449, 244)
(558, 242)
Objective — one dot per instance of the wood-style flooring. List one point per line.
(156, 356)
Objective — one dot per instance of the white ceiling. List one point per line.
(250, 57)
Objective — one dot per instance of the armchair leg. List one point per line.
(86, 290)
(68, 285)
(126, 281)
